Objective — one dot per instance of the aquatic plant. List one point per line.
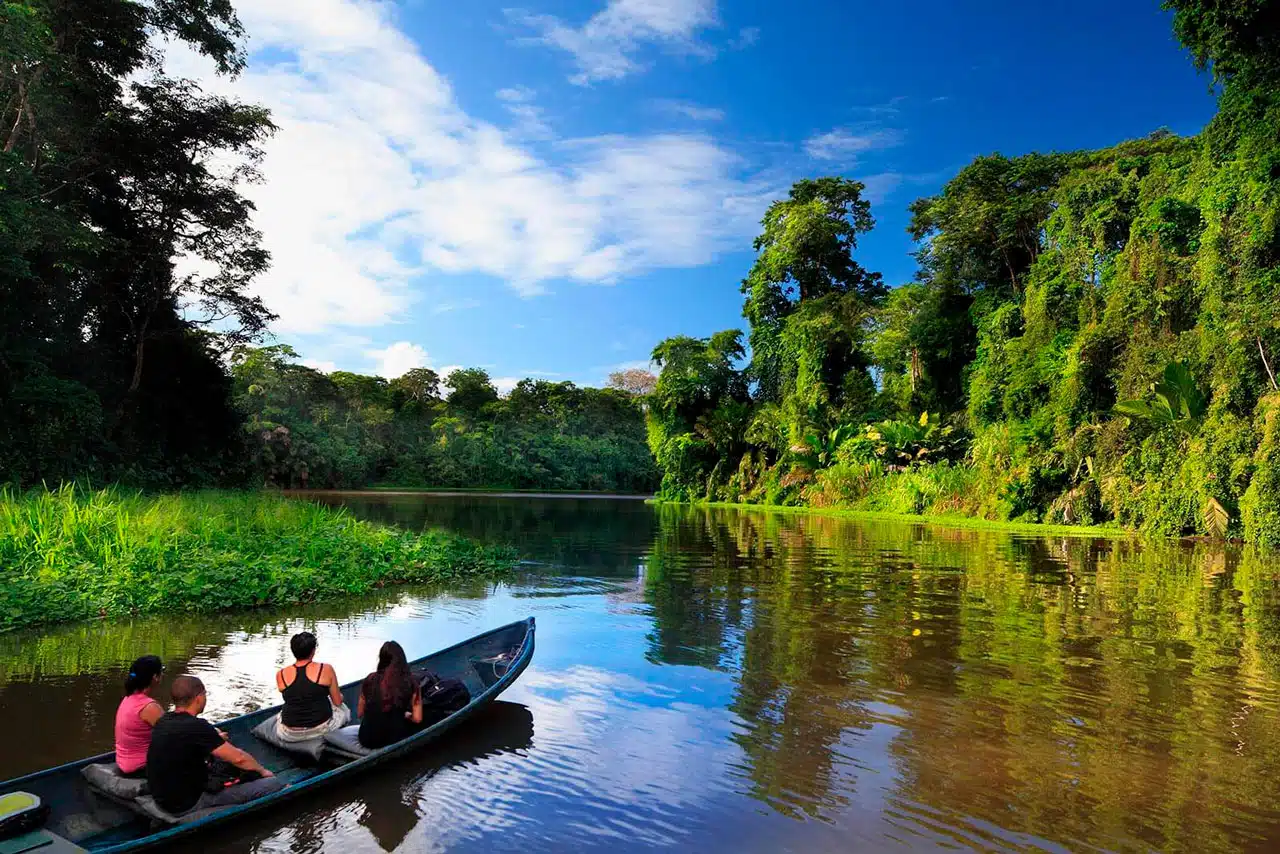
(73, 554)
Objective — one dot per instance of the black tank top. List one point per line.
(306, 703)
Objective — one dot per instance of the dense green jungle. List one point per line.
(1090, 338)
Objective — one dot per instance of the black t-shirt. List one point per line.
(178, 760)
(381, 727)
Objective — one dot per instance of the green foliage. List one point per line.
(72, 555)
(1051, 289)
(1179, 402)
(898, 444)
(109, 170)
(304, 428)
(818, 451)
(1260, 505)
(1231, 37)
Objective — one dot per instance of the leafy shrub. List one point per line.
(898, 444)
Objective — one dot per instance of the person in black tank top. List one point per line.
(313, 702)
(306, 703)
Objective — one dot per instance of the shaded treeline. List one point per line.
(124, 241)
(307, 428)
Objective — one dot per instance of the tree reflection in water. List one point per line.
(1079, 689)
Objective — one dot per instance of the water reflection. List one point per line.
(724, 680)
(601, 537)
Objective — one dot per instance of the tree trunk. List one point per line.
(17, 122)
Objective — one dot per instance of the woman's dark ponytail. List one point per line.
(142, 673)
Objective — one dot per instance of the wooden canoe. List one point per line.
(85, 817)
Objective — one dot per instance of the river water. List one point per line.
(722, 680)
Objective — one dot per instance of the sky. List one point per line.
(547, 188)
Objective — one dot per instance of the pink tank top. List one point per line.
(133, 734)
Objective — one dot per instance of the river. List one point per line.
(723, 680)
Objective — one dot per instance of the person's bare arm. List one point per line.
(150, 713)
(360, 706)
(335, 691)
(228, 752)
(280, 686)
(416, 714)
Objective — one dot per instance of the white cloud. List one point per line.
(378, 178)
(690, 110)
(398, 359)
(505, 385)
(604, 47)
(321, 365)
(845, 144)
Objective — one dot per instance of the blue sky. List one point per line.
(550, 187)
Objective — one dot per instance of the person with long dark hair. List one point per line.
(137, 714)
(390, 705)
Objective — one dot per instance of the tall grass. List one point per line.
(73, 554)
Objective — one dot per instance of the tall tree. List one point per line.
(134, 236)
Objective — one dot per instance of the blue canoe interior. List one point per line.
(87, 818)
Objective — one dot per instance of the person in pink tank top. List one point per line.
(137, 714)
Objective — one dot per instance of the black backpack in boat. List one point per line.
(441, 697)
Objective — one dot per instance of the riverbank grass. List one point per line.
(74, 554)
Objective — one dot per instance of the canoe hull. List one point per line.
(89, 819)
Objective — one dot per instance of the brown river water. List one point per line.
(723, 680)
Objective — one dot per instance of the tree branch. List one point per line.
(1266, 364)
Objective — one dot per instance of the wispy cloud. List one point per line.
(845, 144)
(435, 190)
(516, 94)
(881, 186)
(747, 37)
(605, 47)
(690, 110)
(530, 119)
(398, 359)
(458, 305)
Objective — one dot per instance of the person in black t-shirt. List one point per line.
(182, 747)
